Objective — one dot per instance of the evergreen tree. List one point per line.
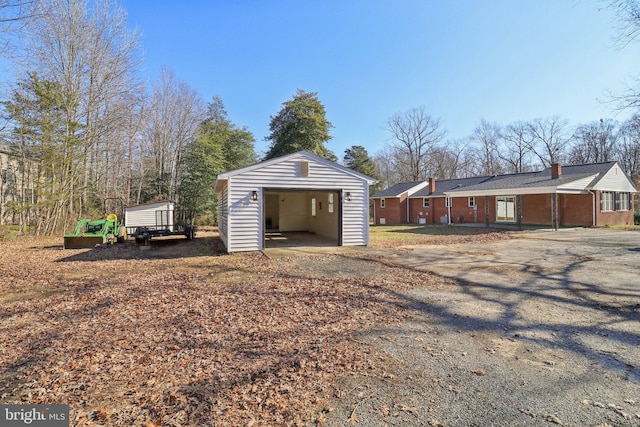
(219, 146)
(357, 158)
(300, 125)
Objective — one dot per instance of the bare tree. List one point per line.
(629, 146)
(627, 14)
(415, 133)
(594, 142)
(174, 113)
(515, 149)
(84, 50)
(450, 161)
(486, 138)
(628, 17)
(549, 139)
(14, 15)
(385, 167)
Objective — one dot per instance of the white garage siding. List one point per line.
(355, 216)
(223, 214)
(244, 220)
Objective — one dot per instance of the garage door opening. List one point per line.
(302, 218)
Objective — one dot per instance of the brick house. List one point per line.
(391, 206)
(597, 194)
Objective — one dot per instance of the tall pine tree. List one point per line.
(300, 125)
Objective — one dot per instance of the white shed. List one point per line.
(299, 192)
(158, 215)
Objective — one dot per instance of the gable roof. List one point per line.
(223, 177)
(446, 185)
(399, 189)
(573, 179)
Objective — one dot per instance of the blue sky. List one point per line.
(463, 60)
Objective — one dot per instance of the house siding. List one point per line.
(223, 215)
(245, 217)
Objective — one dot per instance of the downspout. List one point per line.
(374, 211)
(593, 203)
(408, 200)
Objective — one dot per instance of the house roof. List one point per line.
(446, 185)
(399, 189)
(573, 178)
(300, 154)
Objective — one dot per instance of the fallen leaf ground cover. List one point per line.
(184, 335)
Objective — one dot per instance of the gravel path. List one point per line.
(543, 329)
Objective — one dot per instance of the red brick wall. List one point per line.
(480, 201)
(576, 209)
(613, 217)
(536, 209)
(394, 212)
(462, 212)
(438, 209)
(417, 211)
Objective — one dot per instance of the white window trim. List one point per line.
(620, 197)
(608, 205)
(515, 209)
(383, 203)
(471, 201)
(426, 202)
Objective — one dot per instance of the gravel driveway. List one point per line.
(542, 329)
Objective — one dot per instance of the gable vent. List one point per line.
(303, 167)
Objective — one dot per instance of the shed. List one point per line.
(150, 215)
(299, 192)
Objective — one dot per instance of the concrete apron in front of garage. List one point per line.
(292, 243)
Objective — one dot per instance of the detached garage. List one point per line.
(300, 192)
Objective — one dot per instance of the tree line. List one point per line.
(418, 147)
(83, 127)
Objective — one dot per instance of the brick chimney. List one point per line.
(556, 170)
(432, 185)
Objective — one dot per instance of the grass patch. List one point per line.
(9, 232)
(430, 234)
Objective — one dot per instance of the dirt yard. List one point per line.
(422, 328)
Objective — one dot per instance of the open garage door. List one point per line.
(302, 218)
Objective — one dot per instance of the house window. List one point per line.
(425, 202)
(382, 204)
(472, 202)
(313, 206)
(606, 201)
(447, 202)
(505, 208)
(622, 201)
